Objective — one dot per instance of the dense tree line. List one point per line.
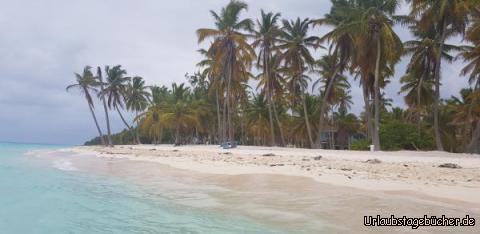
(304, 101)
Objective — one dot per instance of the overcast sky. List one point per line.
(43, 42)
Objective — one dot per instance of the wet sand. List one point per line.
(405, 172)
(293, 203)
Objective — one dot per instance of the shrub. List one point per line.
(363, 144)
(398, 135)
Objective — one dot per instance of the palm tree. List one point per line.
(86, 83)
(101, 84)
(472, 55)
(214, 88)
(265, 38)
(343, 45)
(467, 114)
(149, 121)
(295, 44)
(257, 118)
(378, 48)
(230, 51)
(447, 17)
(346, 124)
(137, 99)
(329, 69)
(116, 89)
(419, 94)
(178, 112)
(421, 67)
(300, 128)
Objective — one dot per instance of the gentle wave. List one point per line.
(64, 165)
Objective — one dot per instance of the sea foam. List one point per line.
(64, 165)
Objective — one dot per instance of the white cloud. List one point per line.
(44, 42)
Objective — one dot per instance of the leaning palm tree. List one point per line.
(101, 84)
(116, 90)
(265, 38)
(295, 44)
(448, 17)
(86, 83)
(329, 69)
(230, 51)
(341, 49)
(419, 78)
(137, 99)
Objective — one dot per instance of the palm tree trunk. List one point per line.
(307, 122)
(109, 132)
(438, 139)
(229, 107)
(102, 139)
(218, 116)
(419, 94)
(136, 129)
(376, 129)
(121, 116)
(323, 106)
(368, 112)
(177, 136)
(270, 116)
(266, 72)
(474, 146)
(224, 118)
(275, 113)
(160, 136)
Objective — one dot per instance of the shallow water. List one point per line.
(51, 195)
(61, 193)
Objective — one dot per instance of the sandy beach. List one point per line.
(404, 173)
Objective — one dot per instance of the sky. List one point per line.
(44, 42)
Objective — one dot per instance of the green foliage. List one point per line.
(363, 145)
(398, 135)
(124, 137)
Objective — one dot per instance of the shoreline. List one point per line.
(403, 173)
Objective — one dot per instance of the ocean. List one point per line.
(44, 189)
(43, 196)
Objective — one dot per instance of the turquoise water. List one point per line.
(35, 198)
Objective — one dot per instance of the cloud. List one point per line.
(44, 42)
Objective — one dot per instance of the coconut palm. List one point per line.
(448, 17)
(295, 44)
(107, 118)
(346, 124)
(472, 56)
(137, 99)
(149, 121)
(215, 87)
(378, 48)
(299, 128)
(342, 43)
(266, 37)
(328, 68)
(87, 83)
(467, 113)
(420, 70)
(116, 90)
(276, 84)
(258, 117)
(177, 112)
(230, 51)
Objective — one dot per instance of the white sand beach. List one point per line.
(404, 173)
